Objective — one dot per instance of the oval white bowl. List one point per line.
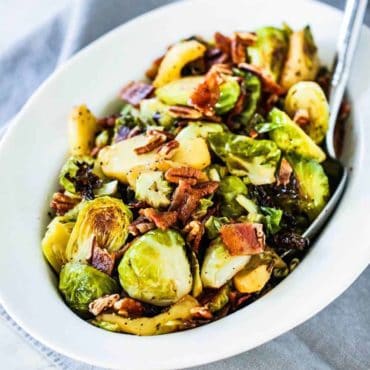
(35, 146)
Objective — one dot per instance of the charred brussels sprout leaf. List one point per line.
(245, 156)
(272, 219)
(104, 220)
(289, 137)
(270, 50)
(230, 187)
(80, 284)
(155, 268)
(229, 94)
(219, 266)
(153, 189)
(313, 185)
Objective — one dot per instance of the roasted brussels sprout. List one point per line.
(155, 268)
(175, 59)
(229, 94)
(154, 112)
(197, 281)
(270, 50)
(220, 299)
(153, 189)
(230, 187)
(82, 128)
(313, 185)
(302, 62)
(272, 218)
(104, 220)
(55, 241)
(254, 276)
(219, 266)
(213, 226)
(179, 91)
(291, 138)
(174, 319)
(310, 97)
(80, 284)
(193, 150)
(245, 156)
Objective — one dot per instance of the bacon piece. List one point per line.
(222, 43)
(135, 92)
(238, 51)
(243, 238)
(268, 82)
(189, 174)
(285, 171)
(101, 259)
(163, 220)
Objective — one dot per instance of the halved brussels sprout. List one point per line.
(153, 112)
(153, 189)
(172, 320)
(245, 156)
(82, 128)
(175, 59)
(219, 266)
(55, 241)
(291, 138)
(155, 268)
(229, 94)
(230, 187)
(270, 50)
(80, 284)
(179, 91)
(220, 300)
(254, 276)
(104, 219)
(309, 96)
(302, 62)
(197, 281)
(313, 185)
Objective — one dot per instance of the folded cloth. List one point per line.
(336, 338)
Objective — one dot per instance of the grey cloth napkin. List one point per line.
(336, 338)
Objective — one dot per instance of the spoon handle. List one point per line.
(349, 33)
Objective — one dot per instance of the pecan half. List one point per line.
(301, 117)
(167, 150)
(243, 238)
(162, 220)
(156, 139)
(129, 307)
(62, 203)
(268, 82)
(101, 259)
(189, 174)
(285, 171)
(101, 304)
(135, 91)
(194, 232)
(180, 111)
(140, 226)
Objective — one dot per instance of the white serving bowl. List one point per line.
(35, 147)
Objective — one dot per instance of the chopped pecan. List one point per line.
(243, 238)
(129, 307)
(285, 171)
(140, 226)
(301, 117)
(62, 203)
(162, 220)
(189, 174)
(156, 139)
(101, 259)
(135, 92)
(194, 232)
(268, 82)
(184, 112)
(167, 150)
(152, 71)
(101, 304)
(201, 313)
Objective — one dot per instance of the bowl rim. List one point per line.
(205, 357)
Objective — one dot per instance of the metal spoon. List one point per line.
(349, 33)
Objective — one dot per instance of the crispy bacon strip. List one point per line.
(162, 220)
(102, 260)
(135, 92)
(285, 171)
(268, 82)
(243, 238)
